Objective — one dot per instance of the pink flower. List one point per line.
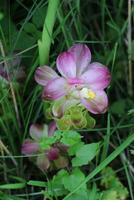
(79, 80)
(37, 133)
(29, 147)
(32, 146)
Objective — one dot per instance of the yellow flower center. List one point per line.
(88, 93)
(91, 94)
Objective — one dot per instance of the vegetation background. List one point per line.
(107, 28)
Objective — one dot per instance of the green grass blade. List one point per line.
(44, 44)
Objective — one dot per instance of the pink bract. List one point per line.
(80, 79)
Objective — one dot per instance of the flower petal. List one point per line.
(44, 74)
(57, 110)
(82, 56)
(66, 65)
(97, 105)
(51, 128)
(43, 162)
(61, 162)
(55, 89)
(97, 76)
(29, 147)
(53, 154)
(62, 105)
(37, 131)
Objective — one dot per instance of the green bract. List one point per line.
(75, 117)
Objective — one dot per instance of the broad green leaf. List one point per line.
(55, 186)
(74, 179)
(70, 137)
(29, 28)
(58, 134)
(93, 193)
(39, 16)
(118, 107)
(46, 142)
(24, 41)
(85, 154)
(74, 148)
(82, 194)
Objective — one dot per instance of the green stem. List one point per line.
(45, 43)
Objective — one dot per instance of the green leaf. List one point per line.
(85, 154)
(24, 41)
(75, 179)
(70, 137)
(90, 121)
(93, 193)
(73, 149)
(82, 194)
(58, 134)
(132, 152)
(47, 142)
(55, 186)
(12, 186)
(39, 16)
(37, 183)
(103, 164)
(29, 27)
(118, 107)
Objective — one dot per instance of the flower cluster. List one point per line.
(43, 149)
(76, 89)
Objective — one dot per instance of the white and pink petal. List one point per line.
(55, 89)
(66, 65)
(43, 162)
(51, 128)
(38, 131)
(82, 57)
(44, 74)
(53, 153)
(97, 76)
(97, 105)
(29, 147)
